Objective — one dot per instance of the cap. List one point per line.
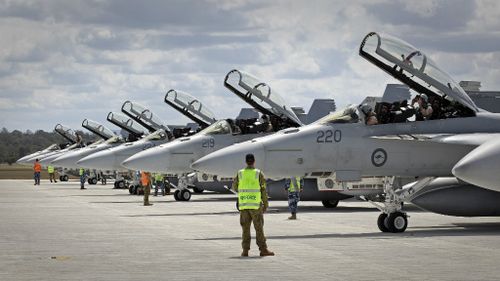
(250, 158)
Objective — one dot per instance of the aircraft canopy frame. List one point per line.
(259, 95)
(191, 107)
(396, 57)
(126, 123)
(144, 116)
(66, 133)
(98, 129)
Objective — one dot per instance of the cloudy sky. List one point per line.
(63, 61)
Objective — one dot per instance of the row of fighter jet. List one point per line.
(446, 165)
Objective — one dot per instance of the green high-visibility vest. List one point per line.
(294, 184)
(249, 197)
(82, 171)
(158, 177)
(50, 169)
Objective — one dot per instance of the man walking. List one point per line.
(146, 184)
(52, 175)
(294, 186)
(37, 169)
(250, 184)
(83, 176)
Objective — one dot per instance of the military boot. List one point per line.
(244, 253)
(293, 216)
(265, 252)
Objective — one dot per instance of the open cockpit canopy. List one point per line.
(144, 116)
(66, 133)
(97, 129)
(126, 123)
(221, 127)
(190, 107)
(412, 67)
(259, 95)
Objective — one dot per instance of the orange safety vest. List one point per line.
(145, 178)
(37, 167)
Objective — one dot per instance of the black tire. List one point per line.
(197, 190)
(176, 195)
(185, 195)
(121, 184)
(65, 178)
(93, 181)
(330, 203)
(397, 222)
(60, 178)
(130, 189)
(382, 222)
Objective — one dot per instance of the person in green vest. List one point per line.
(51, 171)
(294, 187)
(250, 184)
(83, 176)
(159, 183)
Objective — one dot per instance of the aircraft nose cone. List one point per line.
(227, 161)
(151, 160)
(102, 160)
(480, 165)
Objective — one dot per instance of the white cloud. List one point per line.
(66, 61)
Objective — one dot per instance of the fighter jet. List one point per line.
(68, 159)
(176, 157)
(451, 152)
(112, 158)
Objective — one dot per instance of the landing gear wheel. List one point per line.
(93, 181)
(121, 184)
(185, 195)
(330, 203)
(197, 190)
(176, 195)
(382, 222)
(131, 189)
(397, 222)
(65, 178)
(61, 178)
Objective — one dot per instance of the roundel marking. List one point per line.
(379, 157)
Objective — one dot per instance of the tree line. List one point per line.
(16, 144)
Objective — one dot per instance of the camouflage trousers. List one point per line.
(246, 219)
(147, 191)
(293, 201)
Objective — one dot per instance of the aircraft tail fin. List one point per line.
(319, 109)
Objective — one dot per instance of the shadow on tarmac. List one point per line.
(456, 229)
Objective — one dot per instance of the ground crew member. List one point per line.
(52, 175)
(159, 184)
(37, 169)
(83, 176)
(250, 184)
(146, 183)
(294, 187)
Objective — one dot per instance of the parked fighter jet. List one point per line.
(68, 159)
(176, 157)
(112, 158)
(457, 139)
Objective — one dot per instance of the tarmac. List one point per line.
(59, 232)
